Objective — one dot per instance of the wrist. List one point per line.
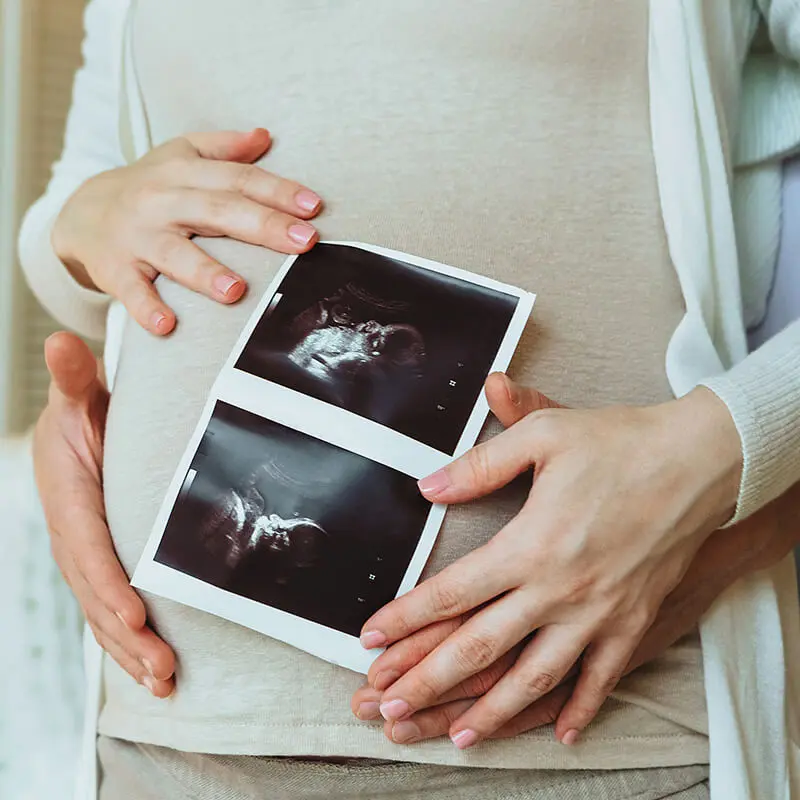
(711, 449)
(61, 240)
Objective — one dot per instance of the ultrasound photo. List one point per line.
(401, 345)
(293, 522)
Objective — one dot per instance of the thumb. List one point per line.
(72, 367)
(243, 147)
(510, 402)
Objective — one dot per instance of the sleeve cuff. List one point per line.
(81, 309)
(762, 394)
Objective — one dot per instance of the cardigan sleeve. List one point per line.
(91, 146)
(762, 393)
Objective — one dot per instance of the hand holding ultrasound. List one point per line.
(295, 509)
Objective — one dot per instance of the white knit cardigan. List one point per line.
(722, 118)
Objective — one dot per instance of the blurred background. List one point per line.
(41, 700)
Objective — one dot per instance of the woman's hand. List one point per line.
(726, 556)
(68, 457)
(623, 498)
(756, 543)
(124, 227)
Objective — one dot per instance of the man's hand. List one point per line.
(754, 544)
(68, 459)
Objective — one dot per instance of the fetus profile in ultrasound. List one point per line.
(339, 341)
(390, 341)
(238, 525)
(290, 521)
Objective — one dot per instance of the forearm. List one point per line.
(90, 147)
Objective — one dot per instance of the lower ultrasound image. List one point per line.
(290, 521)
(393, 342)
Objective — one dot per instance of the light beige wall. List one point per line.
(52, 54)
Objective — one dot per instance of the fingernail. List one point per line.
(224, 283)
(371, 639)
(434, 484)
(122, 619)
(301, 233)
(369, 711)
(514, 393)
(405, 732)
(150, 682)
(464, 739)
(148, 666)
(159, 321)
(384, 679)
(395, 710)
(307, 200)
(570, 737)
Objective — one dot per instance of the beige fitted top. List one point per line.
(508, 137)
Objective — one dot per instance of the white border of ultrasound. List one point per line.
(338, 427)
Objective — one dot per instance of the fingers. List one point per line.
(96, 562)
(245, 147)
(134, 646)
(408, 652)
(456, 590)
(133, 666)
(511, 402)
(137, 293)
(603, 667)
(256, 184)
(72, 366)
(184, 262)
(428, 724)
(231, 214)
(544, 663)
(543, 712)
(475, 647)
(484, 468)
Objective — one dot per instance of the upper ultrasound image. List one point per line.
(282, 518)
(401, 345)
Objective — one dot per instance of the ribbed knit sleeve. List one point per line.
(91, 146)
(763, 396)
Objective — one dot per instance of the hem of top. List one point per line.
(361, 740)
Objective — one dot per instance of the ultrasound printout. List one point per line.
(295, 509)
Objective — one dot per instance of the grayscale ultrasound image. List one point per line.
(395, 343)
(290, 521)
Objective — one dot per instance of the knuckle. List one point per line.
(480, 684)
(446, 598)
(476, 651)
(539, 682)
(245, 178)
(606, 684)
(479, 464)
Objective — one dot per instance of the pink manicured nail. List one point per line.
(464, 739)
(224, 283)
(405, 733)
(307, 200)
(434, 484)
(121, 619)
(148, 666)
(369, 711)
(395, 710)
(370, 639)
(301, 233)
(149, 683)
(570, 737)
(159, 321)
(384, 679)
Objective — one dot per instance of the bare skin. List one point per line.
(123, 228)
